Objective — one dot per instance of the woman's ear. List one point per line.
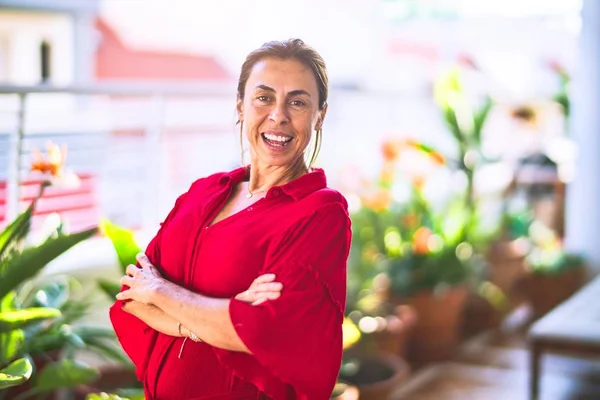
(321, 118)
(239, 108)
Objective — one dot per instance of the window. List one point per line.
(45, 61)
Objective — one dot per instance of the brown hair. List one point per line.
(290, 49)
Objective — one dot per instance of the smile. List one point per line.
(275, 140)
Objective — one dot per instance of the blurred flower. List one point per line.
(421, 241)
(557, 67)
(350, 333)
(526, 114)
(378, 200)
(53, 167)
(467, 60)
(390, 150)
(434, 155)
(387, 173)
(54, 162)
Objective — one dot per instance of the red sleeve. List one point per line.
(298, 337)
(134, 335)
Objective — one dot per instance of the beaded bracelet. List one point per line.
(191, 336)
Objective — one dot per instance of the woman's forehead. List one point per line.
(277, 73)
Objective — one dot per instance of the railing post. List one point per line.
(153, 162)
(14, 162)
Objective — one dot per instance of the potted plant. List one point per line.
(374, 375)
(553, 274)
(31, 366)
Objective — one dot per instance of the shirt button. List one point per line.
(250, 208)
(276, 192)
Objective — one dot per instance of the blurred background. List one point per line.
(464, 134)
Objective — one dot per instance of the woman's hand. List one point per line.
(262, 289)
(143, 281)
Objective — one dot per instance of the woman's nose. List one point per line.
(279, 114)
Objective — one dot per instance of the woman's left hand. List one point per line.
(143, 281)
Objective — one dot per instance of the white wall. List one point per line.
(21, 34)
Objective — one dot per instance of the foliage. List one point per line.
(404, 244)
(25, 321)
(126, 248)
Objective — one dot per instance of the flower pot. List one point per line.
(344, 391)
(479, 316)
(437, 330)
(546, 291)
(377, 376)
(507, 266)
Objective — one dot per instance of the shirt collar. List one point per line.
(296, 189)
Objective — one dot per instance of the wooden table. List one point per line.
(573, 327)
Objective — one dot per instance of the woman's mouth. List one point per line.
(276, 141)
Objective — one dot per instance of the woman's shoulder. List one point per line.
(326, 197)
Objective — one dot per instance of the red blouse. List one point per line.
(300, 232)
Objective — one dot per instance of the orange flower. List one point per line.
(410, 219)
(53, 164)
(379, 200)
(390, 150)
(420, 240)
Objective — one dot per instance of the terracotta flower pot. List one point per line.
(376, 377)
(437, 330)
(544, 292)
(507, 266)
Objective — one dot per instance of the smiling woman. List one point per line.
(250, 265)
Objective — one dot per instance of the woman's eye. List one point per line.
(263, 98)
(298, 103)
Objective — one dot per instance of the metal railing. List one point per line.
(122, 133)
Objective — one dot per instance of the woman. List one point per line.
(201, 316)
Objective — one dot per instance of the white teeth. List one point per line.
(276, 138)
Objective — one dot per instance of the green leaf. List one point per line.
(132, 393)
(110, 352)
(19, 319)
(480, 117)
(52, 294)
(32, 260)
(7, 303)
(16, 231)
(123, 241)
(64, 374)
(16, 373)
(105, 396)
(10, 345)
(110, 288)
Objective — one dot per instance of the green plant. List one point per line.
(126, 248)
(19, 264)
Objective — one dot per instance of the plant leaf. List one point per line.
(480, 117)
(16, 373)
(105, 396)
(28, 263)
(16, 231)
(64, 374)
(52, 294)
(10, 345)
(123, 241)
(110, 288)
(131, 393)
(18, 319)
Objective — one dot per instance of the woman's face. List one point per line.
(280, 111)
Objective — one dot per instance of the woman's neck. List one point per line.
(264, 177)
